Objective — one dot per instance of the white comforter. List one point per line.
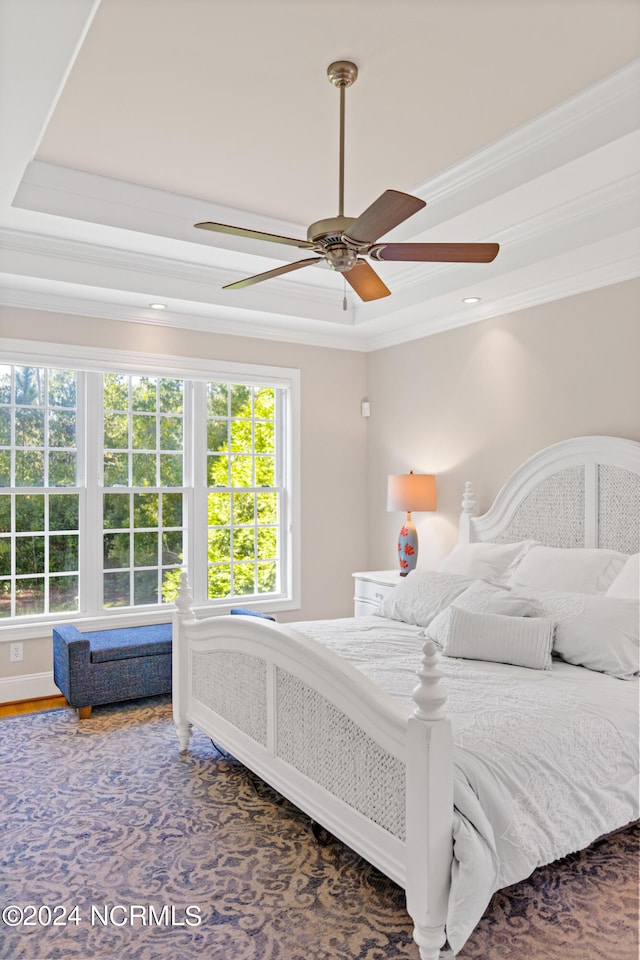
(546, 761)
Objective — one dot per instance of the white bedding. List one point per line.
(546, 761)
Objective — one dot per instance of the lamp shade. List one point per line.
(411, 492)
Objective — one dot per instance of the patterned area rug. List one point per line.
(116, 847)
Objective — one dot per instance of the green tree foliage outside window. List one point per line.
(243, 549)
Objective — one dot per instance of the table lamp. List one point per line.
(410, 491)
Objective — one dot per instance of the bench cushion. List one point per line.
(248, 612)
(126, 642)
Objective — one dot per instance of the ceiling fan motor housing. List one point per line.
(339, 256)
(327, 236)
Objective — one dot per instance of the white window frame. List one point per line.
(43, 354)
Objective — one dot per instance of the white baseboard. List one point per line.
(29, 687)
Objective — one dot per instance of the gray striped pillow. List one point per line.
(522, 641)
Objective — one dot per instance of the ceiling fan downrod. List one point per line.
(342, 73)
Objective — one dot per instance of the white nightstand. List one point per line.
(371, 587)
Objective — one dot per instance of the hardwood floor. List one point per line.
(31, 706)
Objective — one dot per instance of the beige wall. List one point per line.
(475, 402)
(333, 454)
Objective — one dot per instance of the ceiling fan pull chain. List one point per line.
(345, 305)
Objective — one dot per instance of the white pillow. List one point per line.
(596, 632)
(572, 569)
(523, 641)
(485, 561)
(421, 595)
(627, 583)
(481, 597)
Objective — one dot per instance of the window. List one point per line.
(39, 513)
(244, 496)
(112, 482)
(143, 456)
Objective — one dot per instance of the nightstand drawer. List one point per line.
(371, 588)
(371, 591)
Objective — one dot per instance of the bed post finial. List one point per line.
(468, 511)
(429, 696)
(184, 599)
(469, 499)
(180, 664)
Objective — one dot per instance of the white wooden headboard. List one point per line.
(583, 492)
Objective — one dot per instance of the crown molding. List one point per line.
(361, 340)
(610, 208)
(107, 202)
(151, 276)
(600, 114)
(233, 323)
(582, 281)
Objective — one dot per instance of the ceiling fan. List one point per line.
(343, 241)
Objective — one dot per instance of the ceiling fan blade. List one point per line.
(436, 252)
(366, 282)
(385, 213)
(253, 234)
(269, 274)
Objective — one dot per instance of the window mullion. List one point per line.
(90, 434)
(196, 506)
(284, 489)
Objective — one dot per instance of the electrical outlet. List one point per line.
(15, 653)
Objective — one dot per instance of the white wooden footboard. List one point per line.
(328, 739)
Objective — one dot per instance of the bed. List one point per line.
(483, 723)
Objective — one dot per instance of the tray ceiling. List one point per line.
(131, 120)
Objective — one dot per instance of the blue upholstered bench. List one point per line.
(111, 665)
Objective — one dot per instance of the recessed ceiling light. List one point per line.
(158, 306)
(472, 299)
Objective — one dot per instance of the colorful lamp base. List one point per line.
(407, 547)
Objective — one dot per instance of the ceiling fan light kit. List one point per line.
(342, 242)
